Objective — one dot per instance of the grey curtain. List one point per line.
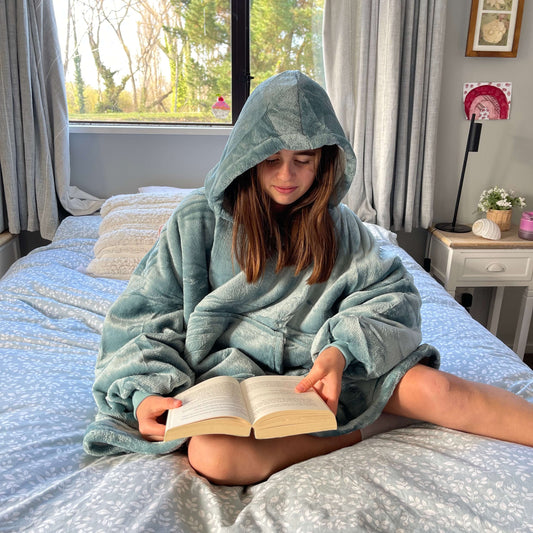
(34, 143)
(383, 65)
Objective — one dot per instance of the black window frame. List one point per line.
(240, 56)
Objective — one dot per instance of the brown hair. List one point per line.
(301, 236)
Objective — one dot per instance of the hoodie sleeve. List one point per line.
(375, 319)
(144, 332)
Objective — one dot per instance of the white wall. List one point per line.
(113, 160)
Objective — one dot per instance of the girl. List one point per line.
(264, 272)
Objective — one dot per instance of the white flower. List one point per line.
(494, 31)
(496, 3)
(499, 198)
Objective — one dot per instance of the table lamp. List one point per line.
(472, 144)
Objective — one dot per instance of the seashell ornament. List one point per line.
(487, 229)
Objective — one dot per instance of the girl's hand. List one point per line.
(326, 377)
(148, 414)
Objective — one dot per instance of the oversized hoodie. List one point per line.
(189, 314)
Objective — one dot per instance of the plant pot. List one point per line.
(502, 217)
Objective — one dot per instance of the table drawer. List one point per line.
(506, 267)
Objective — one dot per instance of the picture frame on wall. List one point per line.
(494, 28)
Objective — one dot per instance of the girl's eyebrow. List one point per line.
(299, 152)
(305, 152)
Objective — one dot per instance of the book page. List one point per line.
(269, 394)
(217, 397)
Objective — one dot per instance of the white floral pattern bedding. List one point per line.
(420, 478)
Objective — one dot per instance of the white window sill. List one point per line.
(150, 129)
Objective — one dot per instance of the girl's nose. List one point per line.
(285, 171)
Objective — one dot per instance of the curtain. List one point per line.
(383, 65)
(34, 136)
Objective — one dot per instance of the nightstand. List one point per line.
(465, 260)
(9, 251)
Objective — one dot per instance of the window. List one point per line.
(169, 61)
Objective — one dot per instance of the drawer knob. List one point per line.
(495, 267)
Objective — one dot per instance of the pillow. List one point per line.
(161, 189)
(381, 234)
(130, 227)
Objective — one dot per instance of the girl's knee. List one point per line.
(425, 391)
(434, 384)
(225, 460)
(209, 456)
(448, 391)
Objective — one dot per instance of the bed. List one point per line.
(417, 478)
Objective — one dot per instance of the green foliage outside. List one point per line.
(178, 61)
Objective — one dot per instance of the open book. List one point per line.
(268, 404)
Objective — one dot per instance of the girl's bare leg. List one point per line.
(446, 400)
(227, 460)
(423, 394)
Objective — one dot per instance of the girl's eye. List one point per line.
(271, 161)
(303, 162)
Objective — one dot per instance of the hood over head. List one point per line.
(288, 111)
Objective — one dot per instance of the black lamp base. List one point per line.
(453, 228)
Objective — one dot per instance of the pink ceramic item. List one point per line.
(526, 226)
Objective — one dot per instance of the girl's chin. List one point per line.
(279, 208)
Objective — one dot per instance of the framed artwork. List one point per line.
(487, 100)
(494, 28)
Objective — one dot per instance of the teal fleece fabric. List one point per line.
(188, 313)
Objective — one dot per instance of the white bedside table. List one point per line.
(9, 251)
(464, 260)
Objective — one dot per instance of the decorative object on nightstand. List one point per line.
(487, 229)
(498, 205)
(526, 226)
(501, 217)
(472, 145)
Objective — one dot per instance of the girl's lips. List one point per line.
(285, 190)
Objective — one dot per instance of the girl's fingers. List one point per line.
(168, 403)
(148, 414)
(309, 381)
(153, 431)
(161, 405)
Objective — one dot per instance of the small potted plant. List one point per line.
(498, 205)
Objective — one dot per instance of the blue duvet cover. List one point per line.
(419, 478)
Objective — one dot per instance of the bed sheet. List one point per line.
(417, 478)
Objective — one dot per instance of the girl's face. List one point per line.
(287, 175)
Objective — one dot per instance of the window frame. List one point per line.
(240, 56)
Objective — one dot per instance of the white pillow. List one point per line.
(381, 234)
(163, 189)
(130, 227)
